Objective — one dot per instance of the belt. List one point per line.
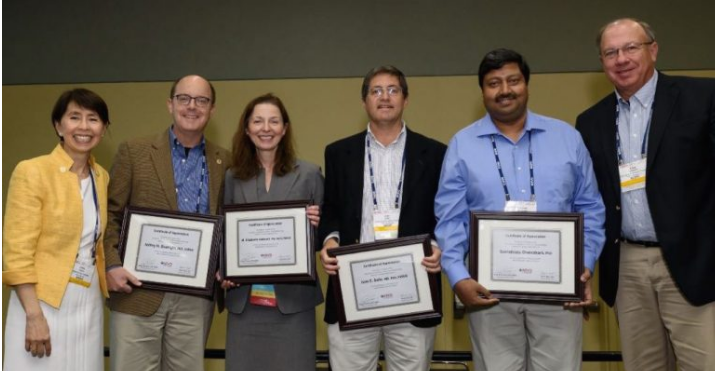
(642, 243)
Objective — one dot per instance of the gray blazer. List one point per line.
(305, 182)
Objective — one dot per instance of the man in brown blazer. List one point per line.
(177, 170)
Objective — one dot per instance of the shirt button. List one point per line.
(522, 190)
(635, 135)
(519, 168)
(185, 200)
(640, 224)
(617, 207)
(183, 161)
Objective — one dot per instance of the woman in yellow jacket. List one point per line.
(52, 245)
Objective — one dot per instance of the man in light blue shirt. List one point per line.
(515, 160)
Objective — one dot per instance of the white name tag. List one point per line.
(516, 206)
(632, 175)
(83, 272)
(386, 224)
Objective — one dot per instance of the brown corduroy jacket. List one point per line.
(142, 175)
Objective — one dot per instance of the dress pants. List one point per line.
(263, 338)
(406, 347)
(172, 339)
(657, 324)
(519, 336)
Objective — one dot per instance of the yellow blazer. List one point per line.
(43, 224)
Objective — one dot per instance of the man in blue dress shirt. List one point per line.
(489, 166)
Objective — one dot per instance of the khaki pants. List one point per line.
(406, 347)
(526, 337)
(657, 324)
(172, 339)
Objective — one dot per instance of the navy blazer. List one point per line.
(680, 183)
(343, 192)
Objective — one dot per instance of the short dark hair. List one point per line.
(389, 70)
(646, 27)
(497, 58)
(84, 98)
(175, 83)
(245, 161)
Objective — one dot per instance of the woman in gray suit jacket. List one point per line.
(265, 321)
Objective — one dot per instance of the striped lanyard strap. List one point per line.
(96, 232)
(644, 149)
(502, 175)
(371, 178)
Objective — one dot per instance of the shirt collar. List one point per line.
(398, 139)
(65, 161)
(646, 95)
(177, 146)
(485, 126)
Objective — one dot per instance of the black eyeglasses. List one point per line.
(185, 99)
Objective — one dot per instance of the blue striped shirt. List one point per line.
(635, 115)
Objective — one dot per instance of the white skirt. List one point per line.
(76, 332)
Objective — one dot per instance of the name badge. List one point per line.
(516, 206)
(83, 272)
(632, 175)
(386, 224)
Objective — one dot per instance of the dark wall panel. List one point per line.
(109, 41)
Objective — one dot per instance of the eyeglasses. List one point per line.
(393, 91)
(186, 99)
(628, 50)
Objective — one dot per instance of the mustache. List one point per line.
(505, 96)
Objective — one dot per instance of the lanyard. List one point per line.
(371, 178)
(644, 149)
(200, 185)
(96, 232)
(203, 176)
(502, 175)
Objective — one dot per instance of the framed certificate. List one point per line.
(528, 256)
(268, 242)
(384, 282)
(171, 251)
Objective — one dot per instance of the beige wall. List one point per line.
(322, 110)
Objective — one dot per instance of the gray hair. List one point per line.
(646, 27)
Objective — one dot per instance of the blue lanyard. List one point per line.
(644, 149)
(502, 175)
(200, 185)
(203, 176)
(96, 232)
(371, 178)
